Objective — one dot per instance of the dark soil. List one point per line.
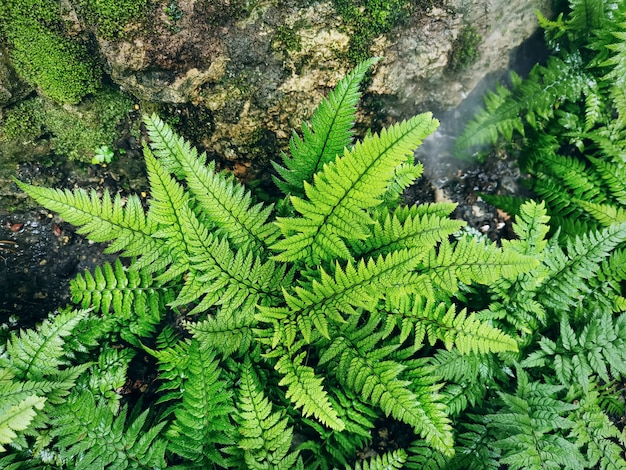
(40, 253)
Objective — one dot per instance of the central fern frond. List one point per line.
(336, 203)
(318, 321)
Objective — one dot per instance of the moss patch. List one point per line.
(75, 132)
(465, 50)
(369, 19)
(288, 39)
(111, 17)
(42, 52)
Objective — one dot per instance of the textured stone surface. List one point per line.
(240, 75)
(240, 65)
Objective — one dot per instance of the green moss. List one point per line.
(369, 19)
(465, 50)
(78, 134)
(110, 17)
(24, 123)
(44, 55)
(288, 38)
(75, 132)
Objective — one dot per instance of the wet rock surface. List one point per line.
(39, 254)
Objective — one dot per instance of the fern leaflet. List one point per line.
(103, 220)
(202, 423)
(265, 438)
(335, 208)
(330, 131)
(224, 201)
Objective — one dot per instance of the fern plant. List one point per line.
(553, 403)
(567, 119)
(556, 402)
(280, 332)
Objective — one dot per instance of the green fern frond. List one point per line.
(103, 220)
(595, 107)
(362, 285)
(606, 214)
(574, 177)
(386, 461)
(566, 279)
(227, 331)
(470, 260)
(166, 204)
(202, 422)
(438, 321)
(226, 203)
(420, 227)
(594, 431)
(514, 300)
(586, 16)
(127, 297)
(173, 360)
(265, 439)
(423, 457)
(500, 117)
(328, 446)
(613, 174)
(558, 81)
(531, 226)
(467, 377)
(473, 450)
(366, 367)
(618, 97)
(34, 354)
(331, 130)
(336, 204)
(90, 436)
(404, 176)
(218, 275)
(109, 375)
(54, 387)
(305, 390)
(617, 61)
(599, 349)
(531, 427)
(17, 417)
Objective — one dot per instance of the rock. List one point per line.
(243, 74)
(263, 68)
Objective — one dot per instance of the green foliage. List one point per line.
(23, 123)
(567, 118)
(202, 417)
(523, 410)
(530, 426)
(317, 322)
(264, 435)
(44, 54)
(103, 154)
(553, 404)
(79, 132)
(111, 17)
(35, 376)
(114, 442)
(282, 333)
(73, 131)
